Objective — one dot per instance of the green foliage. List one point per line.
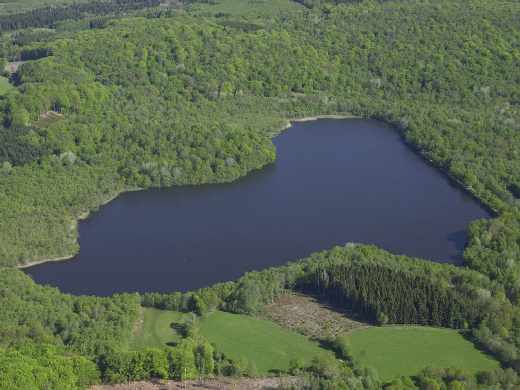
(4, 82)
(167, 100)
(14, 148)
(177, 99)
(16, 6)
(493, 249)
(88, 325)
(44, 367)
(251, 8)
(387, 293)
(123, 367)
(48, 16)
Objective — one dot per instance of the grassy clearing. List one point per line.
(239, 337)
(247, 7)
(396, 351)
(154, 329)
(4, 86)
(263, 342)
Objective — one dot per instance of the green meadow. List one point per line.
(263, 342)
(241, 338)
(155, 329)
(395, 351)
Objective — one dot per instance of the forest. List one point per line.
(47, 17)
(176, 98)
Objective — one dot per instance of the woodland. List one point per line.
(114, 96)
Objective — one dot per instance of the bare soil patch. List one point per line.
(208, 384)
(12, 67)
(313, 318)
(48, 118)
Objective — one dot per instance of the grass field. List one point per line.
(263, 342)
(4, 85)
(154, 329)
(240, 337)
(396, 351)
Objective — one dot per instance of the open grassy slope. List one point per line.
(239, 337)
(263, 342)
(395, 351)
(154, 329)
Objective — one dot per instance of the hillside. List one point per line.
(157, 98)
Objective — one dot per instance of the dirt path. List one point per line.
(138, 327)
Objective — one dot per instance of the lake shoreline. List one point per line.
(84, 215)
(415, 148)
(289, 123)
(38, 262)
(317, 152)
(318, 117)
(74, 223)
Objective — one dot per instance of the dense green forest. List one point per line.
(46, 17)
(17, 6)
(151, 102)
(100, 106)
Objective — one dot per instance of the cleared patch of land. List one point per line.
(405, 350)
(154, 329)
(12, 67)
(4, 85)
(48, 118)
(210, 384)
(306, 315)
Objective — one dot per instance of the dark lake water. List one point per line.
(335, 181)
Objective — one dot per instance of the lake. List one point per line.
(334, 181)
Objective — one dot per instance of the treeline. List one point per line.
(330, 377)
(369, 280)
(190, 359)
(386, 294)
(46, 17)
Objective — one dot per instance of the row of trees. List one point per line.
(46, 17)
